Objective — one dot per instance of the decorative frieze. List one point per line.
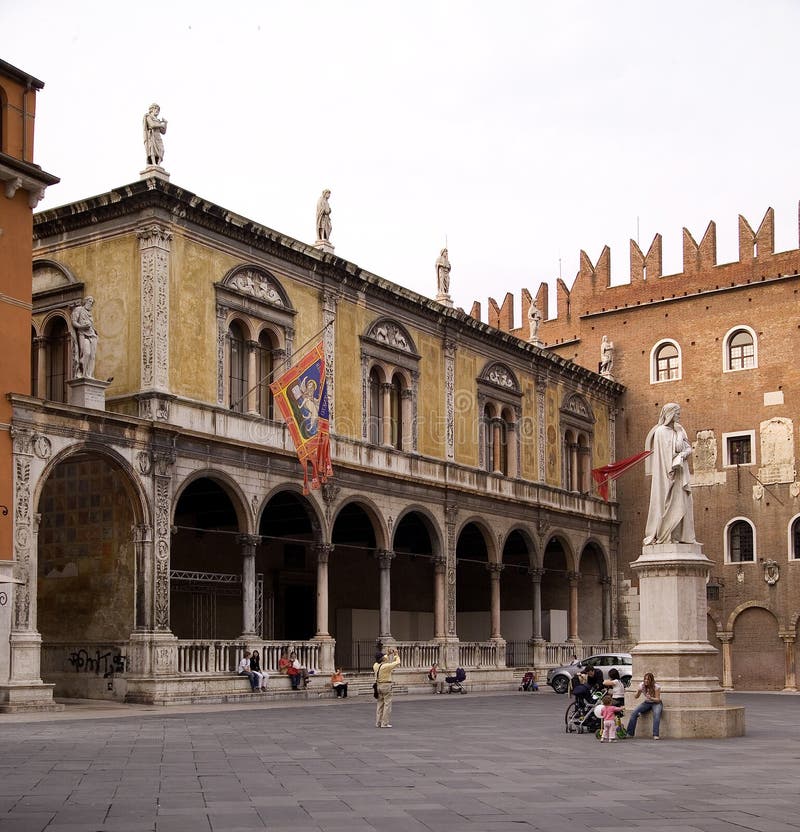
(450, 397)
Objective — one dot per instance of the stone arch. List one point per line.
(312, 508)
(389, 333)
(430, 521)
(558, 562)
(527, 536)
(231, 488)
(747, 605)
(379, 526)
(500, 375)
(517, 593)
(757, 651)
(49, 275)
(488, 538)
(477, 562)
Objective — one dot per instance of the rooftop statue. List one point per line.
(324, 217)
(154, 128)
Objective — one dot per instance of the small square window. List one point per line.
(738, 448)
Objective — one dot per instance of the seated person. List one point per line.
(615, 687)
(581, 689)
(297, 671)
(255, 666)
(338, 684)
(244, 670)
(435, 679)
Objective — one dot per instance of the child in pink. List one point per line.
(608, 713)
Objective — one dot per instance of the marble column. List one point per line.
(41, 368)
(386, 393)
(252, 378)
(536, 587)
(248, 542)
(605, 586)
(494, 576)
(385, 558)
(143, 554)
(439, 572)
(496, 449)
(323, 553)
(573, 579)
(727, 665)
(574, 478)
(791, 670)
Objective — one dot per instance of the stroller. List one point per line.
(455, 683)
(529, 682)
(580, 717)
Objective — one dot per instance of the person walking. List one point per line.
(383, 670)
(652, 702)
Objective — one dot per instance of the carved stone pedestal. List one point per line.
(154, 171)
(152, 665)
(674, 646)
(24, 690)
(87, 392)
(444, 299)
(324, 245)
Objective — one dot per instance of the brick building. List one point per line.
(23, 184)
(719, 339)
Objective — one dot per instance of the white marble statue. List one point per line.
(154, 128)
(534, 321)
(671, 515)
(324, 217)
(606, 356)
(84, 339)
(443, 274)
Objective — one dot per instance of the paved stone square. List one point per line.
(494, 763)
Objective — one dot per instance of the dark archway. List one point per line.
(287, 562)
(473, 589)
(206, 564)
(353, 585)
(555, 593)
(413, 581)
(592, 569)
(516, 599)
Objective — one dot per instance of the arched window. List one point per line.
(794, 538)
(499, 399)
(739, 349)
(740, 541)
(264, 367)
(577, 432)
(58, 360)
(237, 369)
(665, 362)
(375, 419)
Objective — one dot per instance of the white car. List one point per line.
(559, 677)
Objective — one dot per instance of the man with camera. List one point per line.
(383, 678)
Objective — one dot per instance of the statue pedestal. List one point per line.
(87, 392)
(154, 171)
(324, 245)
(537, 342)
(444, 299)
(674, 645)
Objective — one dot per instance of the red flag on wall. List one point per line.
(301, 394)
(602, 476)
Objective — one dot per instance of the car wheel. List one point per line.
(626, 680)
(561, 684)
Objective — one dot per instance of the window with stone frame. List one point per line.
(55, 292)
(390, 382)
(739, 349)
(255, 334)
(577, 433)
(794, 538)
(665, 362)
(740, 541)
(500, 409)
(738, 448)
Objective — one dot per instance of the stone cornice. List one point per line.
(186, 208)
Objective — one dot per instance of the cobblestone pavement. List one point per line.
(493, 763)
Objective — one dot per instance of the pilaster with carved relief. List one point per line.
(154, 250)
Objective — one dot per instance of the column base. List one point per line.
(26, 697)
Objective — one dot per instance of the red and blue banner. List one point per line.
(301, 394)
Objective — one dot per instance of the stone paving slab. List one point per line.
(489, 763)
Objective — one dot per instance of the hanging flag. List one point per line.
(301, 394)
(602, 476)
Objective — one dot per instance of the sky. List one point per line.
(517, 133)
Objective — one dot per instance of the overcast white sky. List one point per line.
(522, 131)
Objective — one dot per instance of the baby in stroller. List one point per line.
(529, 682)
(455, 682)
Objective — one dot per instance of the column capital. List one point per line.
(495, 568)
(787, 637)
(605, 581)
(323, 551)
(440, 565)
(384, 558)
(536, 574)
(248, 541)
(573, 578)
(725, 638)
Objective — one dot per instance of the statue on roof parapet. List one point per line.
(443, 279)
(324, 225)
(606, 357)
(534, 322)
(153, 128)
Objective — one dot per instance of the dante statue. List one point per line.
(443, 273)
(324, 216)
(154, 128)
(671, 515)
(534, 320)
(606, 356)
(84, 343)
